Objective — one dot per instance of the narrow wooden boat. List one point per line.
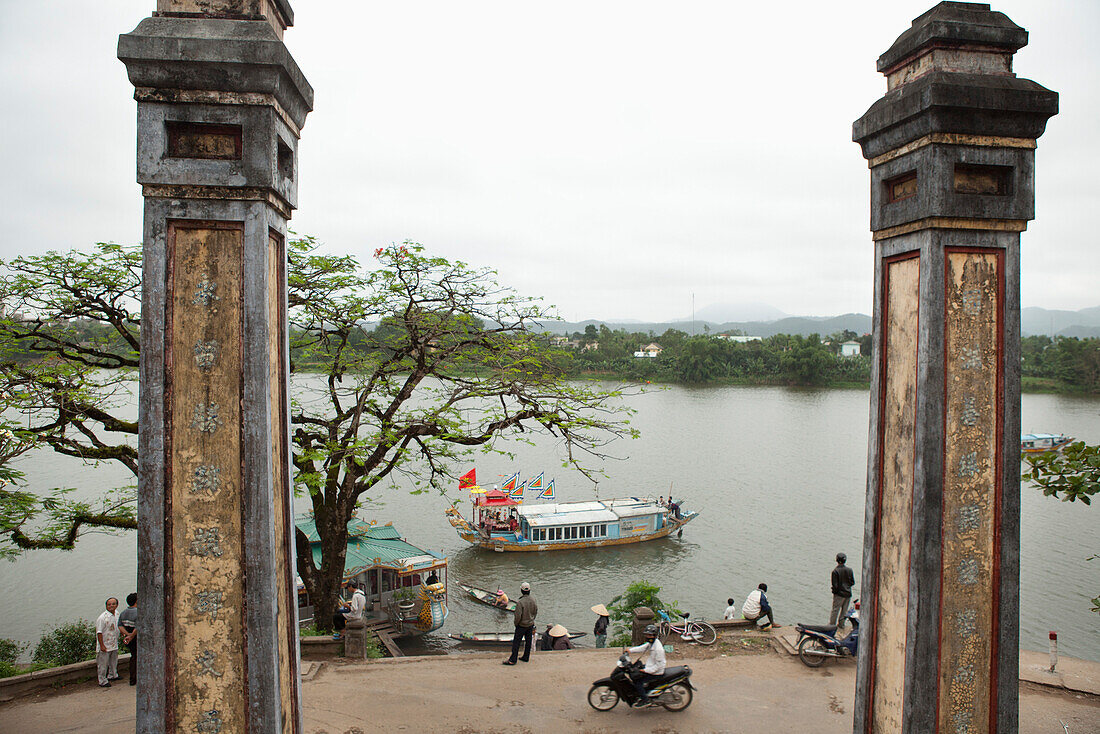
(487, 597)
(497, 638)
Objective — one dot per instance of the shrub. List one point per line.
(10, 650)
(66, 644)
(638, 594)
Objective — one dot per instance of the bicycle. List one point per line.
(689, 630)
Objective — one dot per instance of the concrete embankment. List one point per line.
(744, 686)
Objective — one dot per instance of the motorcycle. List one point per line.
(672, 689)
(817, 643)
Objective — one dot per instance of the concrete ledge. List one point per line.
(22, 685)
(321, 647)
(725, 624)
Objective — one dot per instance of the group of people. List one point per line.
(756, 605)
(672, 505)
(111, 627)
(497, 521)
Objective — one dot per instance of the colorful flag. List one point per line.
(536, 483)
(518, 491)
(548, 493)
(510, 485)
(468, 480)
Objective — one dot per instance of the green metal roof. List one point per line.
(368, 546)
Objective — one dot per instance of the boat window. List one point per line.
(557, 533)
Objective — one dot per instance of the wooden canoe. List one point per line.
(487, 597)
(497, 638)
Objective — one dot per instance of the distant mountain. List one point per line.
(802, 325)
(719, 313)
(1083, 324)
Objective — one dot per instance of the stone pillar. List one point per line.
(951, 151)
(220, 107)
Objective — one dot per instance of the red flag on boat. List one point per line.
(536, 483)
(548, 493)
(510, 485)
(518, 491)
(467, 480)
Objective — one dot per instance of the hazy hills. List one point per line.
(1082, 324)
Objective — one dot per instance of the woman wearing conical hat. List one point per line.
(600, 631)
(559, 637)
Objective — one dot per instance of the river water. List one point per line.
(778, 476)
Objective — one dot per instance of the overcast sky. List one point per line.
(617, 158)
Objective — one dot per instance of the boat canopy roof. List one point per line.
(494, 498)
(372, 546)
(1042, 436)
(551, 508)
(584, 513)
(586, 517)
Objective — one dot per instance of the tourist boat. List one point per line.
(487, 597)
(497, 638)
(501, 523)
(1037, 443)
(405, 585)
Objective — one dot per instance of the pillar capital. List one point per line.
(951, 143)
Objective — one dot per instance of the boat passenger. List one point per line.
(432, 578)
(545, 643)
(502, 599)
(559, 637)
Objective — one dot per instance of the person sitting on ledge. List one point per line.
(756, 606)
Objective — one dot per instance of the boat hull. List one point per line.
(468, 533)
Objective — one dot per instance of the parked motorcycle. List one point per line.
(672, 689)
(818, 643)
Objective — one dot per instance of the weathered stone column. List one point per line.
(220, 107)
(951, 152)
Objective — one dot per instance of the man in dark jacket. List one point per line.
(526, 611)
(843, 581)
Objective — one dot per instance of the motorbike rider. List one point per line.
(654, 663)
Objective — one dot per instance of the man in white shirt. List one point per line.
(756, 606)
(106, 638)
(353, 611)
(731, 610)
(654, 663)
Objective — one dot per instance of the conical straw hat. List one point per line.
(558, 631)
(601, 610)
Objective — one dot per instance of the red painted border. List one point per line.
(172, 226)
(880, 449)
(998, 475)
(284, 457)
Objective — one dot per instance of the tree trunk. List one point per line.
(323, 584)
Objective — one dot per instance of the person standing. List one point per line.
(756, 606)
(600, 630)
(843, 580)
(526, 611)
(106, 638)
(127, 625)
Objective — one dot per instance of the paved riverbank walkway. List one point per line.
(746, 688)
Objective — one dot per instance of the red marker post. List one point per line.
(1053, 650)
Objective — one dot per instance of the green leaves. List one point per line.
(1072, 474)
